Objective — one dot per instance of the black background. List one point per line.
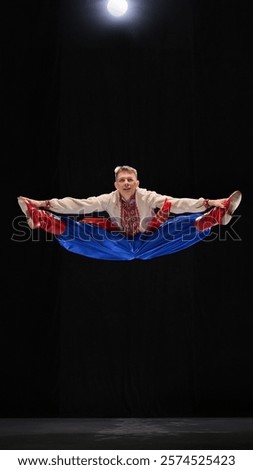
(166, 89)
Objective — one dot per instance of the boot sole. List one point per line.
(234, 199)
(24, 208)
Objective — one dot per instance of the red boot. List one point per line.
(218, 215)
(160, 217)
(38, 218)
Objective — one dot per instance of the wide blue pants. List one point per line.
(93, 241)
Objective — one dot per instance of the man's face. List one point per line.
(126, 184)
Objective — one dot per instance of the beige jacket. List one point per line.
(147, 202)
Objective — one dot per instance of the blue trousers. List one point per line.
(93, 241)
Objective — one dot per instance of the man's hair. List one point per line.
(118, 169)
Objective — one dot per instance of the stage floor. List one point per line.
(127, 433)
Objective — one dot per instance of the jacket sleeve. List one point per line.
(70, 205)
(181, 205)
(178, 205)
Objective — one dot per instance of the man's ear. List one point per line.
(137, 183)
(115, 184)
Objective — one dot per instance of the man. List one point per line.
(132, 210)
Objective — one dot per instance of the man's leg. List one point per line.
(218, 215)
(39, 218)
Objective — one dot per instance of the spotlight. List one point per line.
(117, 7)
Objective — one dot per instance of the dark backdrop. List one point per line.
(167, 91)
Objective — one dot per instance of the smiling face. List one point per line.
(126, 183)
